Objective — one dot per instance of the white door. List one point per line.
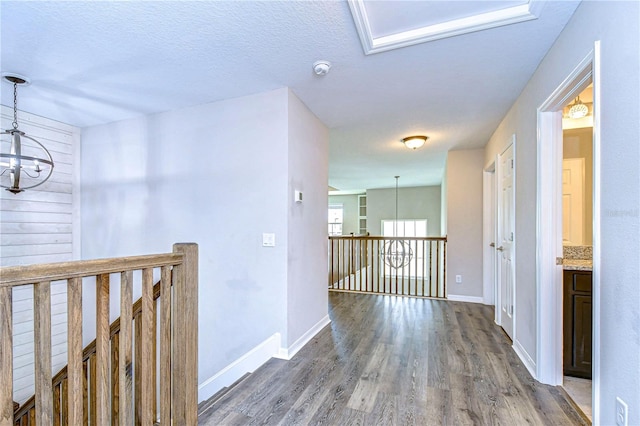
(572, 201)
(505, 239)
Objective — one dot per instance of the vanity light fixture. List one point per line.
(578, 109)
(414, 142)
(24, 162)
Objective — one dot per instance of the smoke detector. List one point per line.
(321, 67)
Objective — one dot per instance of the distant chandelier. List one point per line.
(578, 109)
(396, 253)
(414, 142)
(24, 162)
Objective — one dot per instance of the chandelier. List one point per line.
(24, 162)
(396, 253)
(578, 109)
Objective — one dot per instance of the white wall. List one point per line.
(420, 202)
(616, 25)
(218, 175)
(464, 222)
(350, 210)
(307, 296)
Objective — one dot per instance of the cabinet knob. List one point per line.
(500, 248)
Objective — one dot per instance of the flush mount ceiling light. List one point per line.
(578, 109)
(24, 162)
(414, 142)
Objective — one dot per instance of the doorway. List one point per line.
(550, 250)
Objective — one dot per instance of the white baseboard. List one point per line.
(468, 299)
(288, 353)
(525, 358)
(248, 362)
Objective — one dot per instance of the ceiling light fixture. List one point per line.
(24, 162)
(414, 142)
(578, 109)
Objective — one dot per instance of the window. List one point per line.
(336, 212)
(404, 228)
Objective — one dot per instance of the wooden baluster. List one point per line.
(430, 267)
(146, 340)
(42, 352)
(115, 379)
(125, 368)
(93, 411)
(437, 268)
(64, 415)
(137, 405)
(6, 357)
(74, 350)
(444, 271)
(330, 263)
(154, 355)
(85, 393)
(102, 349)
(165, 345)
(424, 264)
(56, 405)
(415, 280)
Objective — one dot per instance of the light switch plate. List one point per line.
(268, 240)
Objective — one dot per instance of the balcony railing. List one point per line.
(407, 266)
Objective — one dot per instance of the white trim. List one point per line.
(288, 353)
(549, 224)
(440, 30)
(596, 277)
(525, 358)
(463, 298)
(248, 362)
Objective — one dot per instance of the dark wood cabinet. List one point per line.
(577, 323)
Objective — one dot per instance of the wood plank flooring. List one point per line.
(388, 360)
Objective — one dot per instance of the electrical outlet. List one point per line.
(622, 412)
(458, 279)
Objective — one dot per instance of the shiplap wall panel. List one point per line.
(41, 226)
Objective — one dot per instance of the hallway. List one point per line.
(392, 360)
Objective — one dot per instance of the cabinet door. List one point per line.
(577, 327)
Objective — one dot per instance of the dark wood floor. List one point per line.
(391, 360)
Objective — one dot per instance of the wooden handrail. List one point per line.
(21, 275)
(377, 237)
(89, 350)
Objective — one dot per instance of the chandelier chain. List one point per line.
(15, 106)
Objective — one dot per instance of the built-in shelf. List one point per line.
(362, 214)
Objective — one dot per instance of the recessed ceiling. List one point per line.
(98, 62)
(386, 25)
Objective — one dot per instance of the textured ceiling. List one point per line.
(98, 62)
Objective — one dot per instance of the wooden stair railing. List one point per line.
(111, 380)
(26, 411)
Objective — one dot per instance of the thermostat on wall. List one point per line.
(297, 196)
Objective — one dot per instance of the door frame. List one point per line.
(549, 225)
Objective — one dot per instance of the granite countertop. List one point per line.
(577, 265)
(577, 258)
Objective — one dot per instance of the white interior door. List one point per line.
(572, 201)
(505, 239)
